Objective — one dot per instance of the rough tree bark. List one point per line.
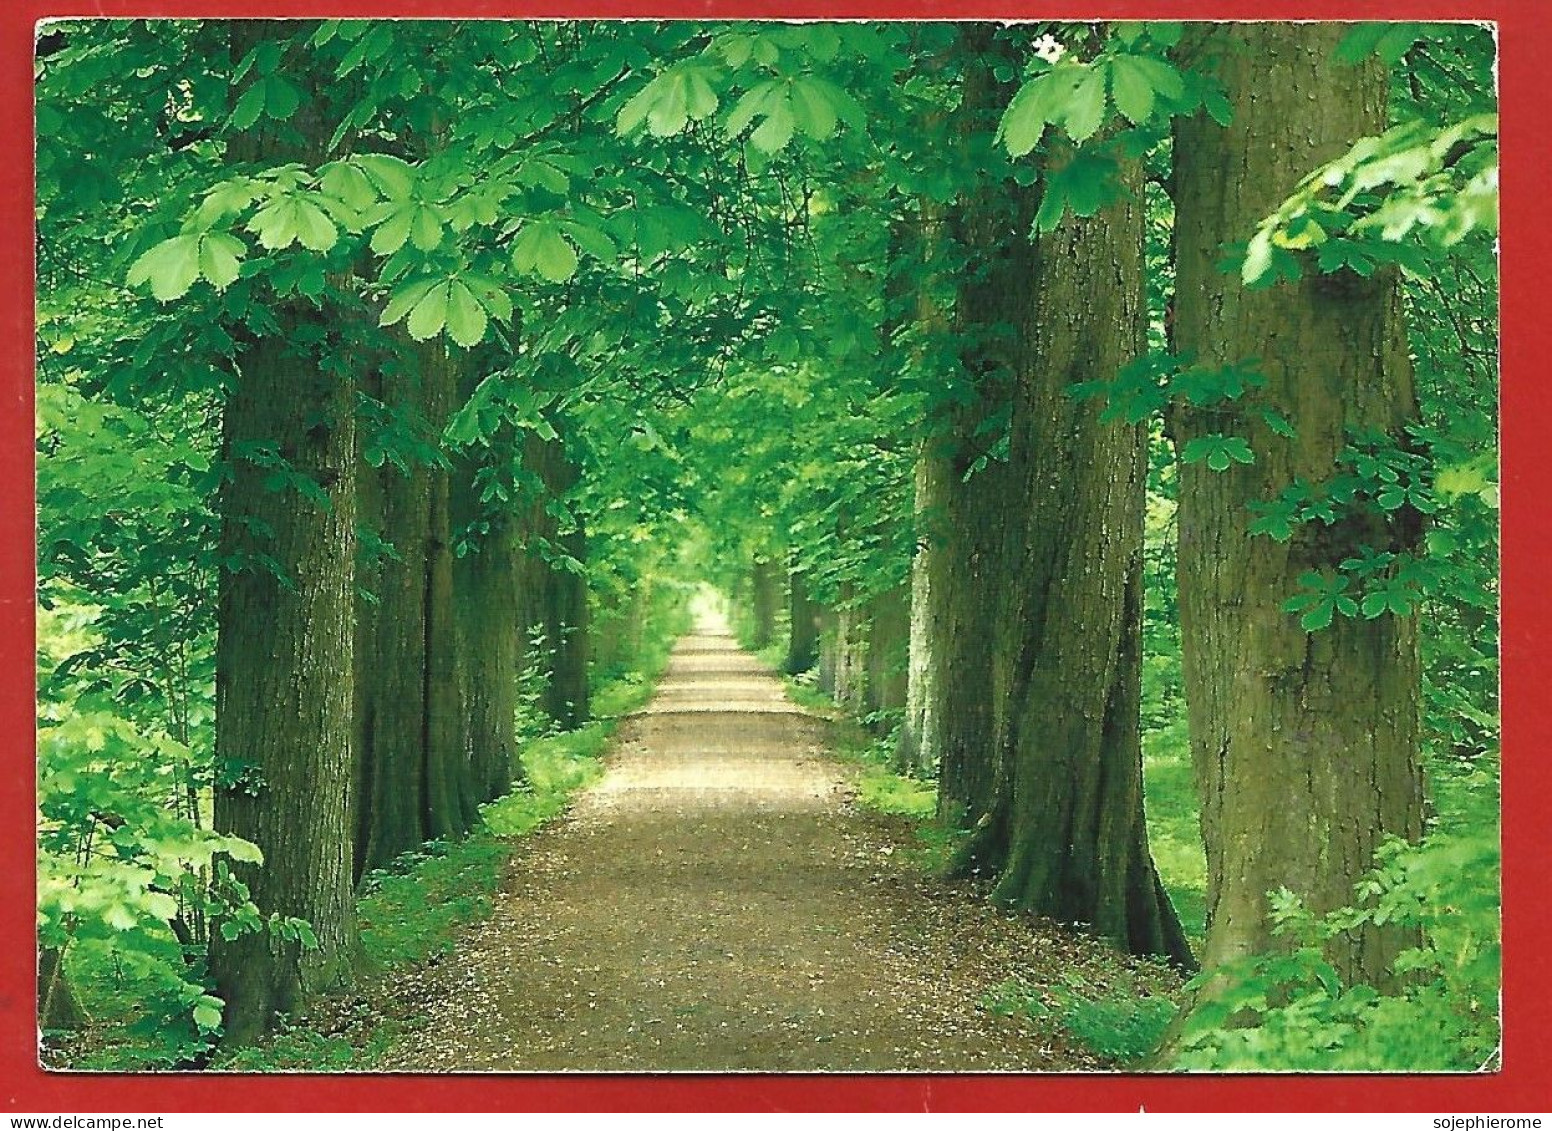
(485, 580)
(965, 567)
(450, 810)
(390, 690)
(829, 627)
(1070, 653)
(1305, 744)
(1061, 824)
(915, 249)
(962, 498)
(284, 675)
(917, 750)
(850, 641)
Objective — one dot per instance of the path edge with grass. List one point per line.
(414, 911)
(1121, 1021)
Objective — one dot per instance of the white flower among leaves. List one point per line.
(1049, 48)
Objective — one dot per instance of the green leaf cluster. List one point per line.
(1431, 186)
(1074, 96)
(1442, 1015)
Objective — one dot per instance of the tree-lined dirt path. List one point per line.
(716, 902)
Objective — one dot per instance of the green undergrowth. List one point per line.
(418, 906)
(1117, 1015)
(1116, 1008)
(127, 1030)
(888, 792)
(1170, 792)
(810, 698)
(415, 908)
(1288, 1010)
(773, 655)
(412, 908)
(357, 1047)
(1439, 1009)
(556, 768)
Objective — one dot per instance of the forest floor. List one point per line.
(718, 902)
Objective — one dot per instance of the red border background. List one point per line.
(1526, 62)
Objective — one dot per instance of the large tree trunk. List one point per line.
(450, 807)
(284, 681)
(1070, 653)
(284, 649)
(914, 249)
(966, 567)
(829, 655)
(390, 608)
(851, 654)
(963, 500)
(485, 580)
(1056, 808)
(391, 649)
(918, 748)
(1305, 744)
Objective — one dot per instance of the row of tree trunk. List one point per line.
(1305, 744)
(1025, 602)
(858, 649)
(366, 706)
(862, 653)
(442, 638)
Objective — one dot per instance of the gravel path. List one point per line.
(716, 903)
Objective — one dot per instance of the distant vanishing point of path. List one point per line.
(715, 902)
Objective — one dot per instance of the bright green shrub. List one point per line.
(1291, 1011)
